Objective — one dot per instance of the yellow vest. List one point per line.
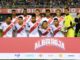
(68, 19)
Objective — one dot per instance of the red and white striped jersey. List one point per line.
(49, 20)
(22, 33)
(60, 19)
(57, 31)
(33, 29)
(4, 27)
(45, 32)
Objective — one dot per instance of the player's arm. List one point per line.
(63, 33)
(40, 33)
(28, 27)
(76, 21)
(13, 33)
(72, 21)
(1, 31)
(51, 31)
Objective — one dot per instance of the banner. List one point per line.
(32, 10)
(39, 45)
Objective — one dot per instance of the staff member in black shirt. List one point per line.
(77, 20)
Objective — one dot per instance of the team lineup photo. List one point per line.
(40, 29)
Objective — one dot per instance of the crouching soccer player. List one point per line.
(57, 29)
(7, 28)
(20, 28)
(45, 30)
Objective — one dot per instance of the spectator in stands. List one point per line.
(40, 3)
(14, 3)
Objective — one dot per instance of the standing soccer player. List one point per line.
(77, 21)
(57, 29)
(32, 27)
(26, 17)
(21, 28)
(69, 23)
(7, 28)
(59, 17)
(48, 17)
(37, 13)
(45, 30)
(14, 17)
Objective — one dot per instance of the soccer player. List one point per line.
(26, 17)
(14, 17)
(7, 28)
(45, 30)
(59, 17)
(32, 27)
(37, 13)
(69, 23)
(48, 17)
(21, 28)
(57, 29)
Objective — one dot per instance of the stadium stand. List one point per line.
(39, 3)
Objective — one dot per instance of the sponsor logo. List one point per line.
(60, 55)
(17, 55)
(71, 55)
(29, 55)
(40, 55)
(50, 55)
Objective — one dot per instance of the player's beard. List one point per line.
(48, 16)
(56, 25)
(44, 27)
(67, 14)
(24, 14)
(33, 21)
(8, 22)
(20, 23)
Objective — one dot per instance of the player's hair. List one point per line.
(37, 10)
(78, 13)
(67, 9)
(55, 19)
(14, 10)
(9, 16)
(44, 22)
(47, 10)
(21, 17)
(58, 10)
(33, 15)
(25, 9)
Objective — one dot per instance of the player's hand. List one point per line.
(76, 23)
(65, 28)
